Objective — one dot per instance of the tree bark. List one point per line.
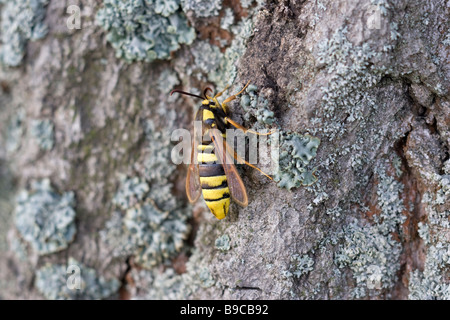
(369, 78)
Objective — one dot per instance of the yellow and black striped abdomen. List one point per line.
(214, 181)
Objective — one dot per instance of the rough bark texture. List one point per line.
(85, 141)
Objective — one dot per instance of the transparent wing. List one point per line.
(193, 186)
(235, 184)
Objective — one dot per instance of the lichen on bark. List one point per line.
(89, 110)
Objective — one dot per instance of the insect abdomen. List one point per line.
(213, 181)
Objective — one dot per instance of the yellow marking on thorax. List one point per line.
(205, 102)
(207, 114)
(214, 194)
(219, 208)
(213, 181)
(206, 157)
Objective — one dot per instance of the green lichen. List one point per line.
(296, 152)
(144, 30)
(59, 282)
(42, 130)
(21, 20)
(44, 218)
(202, 8)
(222, 243)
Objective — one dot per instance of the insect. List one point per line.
(214, 175)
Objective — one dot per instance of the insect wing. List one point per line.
(235, 184)
(193, 186)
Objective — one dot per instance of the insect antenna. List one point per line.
(186, 93)
(205, 91)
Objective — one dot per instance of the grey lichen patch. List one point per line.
(352, 74)
(226, 71)
(131, 191)
(167, 284)
(202, 8)
(44, 218)
(167, 80)
(144, 30)
(157, 235)
(256, 105)
(145, 231)
(150, 224)
(249, 3)
(19, 248)
(15, 131)
(369, 249)
(166, 7)
(73, 281)
(154, 285)
(21, 20)
(299, 266)
(296, 152)
(432, 282)
(207, 57)
(42, 131)
(222, 243)
(158, 166)
(116, 238)
(382, 5)
(372, 256)
(228, 19)
(221, 67)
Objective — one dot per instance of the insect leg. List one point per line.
(234, 96)
(221, 92)
(240, 127)
(237, 157)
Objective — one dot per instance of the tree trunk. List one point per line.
(93, 207)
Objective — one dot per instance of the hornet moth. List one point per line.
(214, 174)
